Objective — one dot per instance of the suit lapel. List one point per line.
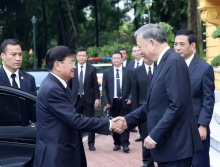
(157, 72)
(143, 71)
(86, 72)
(124, 74)
(4, 77)
(193, 65)
(22, 80)
(111, 78)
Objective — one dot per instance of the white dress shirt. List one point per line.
(115, 80)
(188, 61)
(84, 71)
(161, 54)
(10, 78)
(60, 79)
(124, 63)
(140, 63)
(147, 68)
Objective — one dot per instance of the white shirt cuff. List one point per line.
(110, 124)
(153, 140)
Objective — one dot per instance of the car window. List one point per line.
(9, 109)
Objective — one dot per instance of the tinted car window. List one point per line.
(101, 69)
(9, 109)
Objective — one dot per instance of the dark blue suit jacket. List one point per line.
(203, 87)
(169, 111)
(27, 81)
(59, 141)
(131, 64)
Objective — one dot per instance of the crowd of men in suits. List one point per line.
(169, 99)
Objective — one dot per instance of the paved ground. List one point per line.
(104, 156)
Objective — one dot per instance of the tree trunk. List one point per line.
(45, 26)
(61, 27)
(96, 23)
(74, 34)
(195, 24)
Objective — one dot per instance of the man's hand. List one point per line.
(119, 124)
(107, 106)
(96, 104)
(128, 101)
(148, 143)
(202, 132)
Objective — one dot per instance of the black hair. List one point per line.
(82, 50)
(57, 53)
(7, 42)
(123, 49)
(189, 33)
(117, 53)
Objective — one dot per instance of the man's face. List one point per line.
(67, 68)
(148, 61)
(117, 60)
(81, 57)
(136, 52)
(12, 57)
(124, 54)
(182, 46)
(146, 47)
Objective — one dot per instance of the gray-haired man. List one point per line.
(173, 134)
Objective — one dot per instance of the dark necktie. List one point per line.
(149, 73)
(69, 91)
(14, 84)
(81, 81)
(137, 64)
(118, 83)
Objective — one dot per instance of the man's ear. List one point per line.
(193, 45)
(56, 66)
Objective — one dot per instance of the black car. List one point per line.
(17, 127)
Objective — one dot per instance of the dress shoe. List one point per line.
(116, 148)
(133, 130)
(126, 149)
(138, 139)
(149, 164)
(91, 147)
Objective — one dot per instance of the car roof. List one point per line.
(102, 65)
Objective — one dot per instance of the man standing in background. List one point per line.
(124, 53)
(85, 90)
(136, 53)
(202, 85)
(139, 84)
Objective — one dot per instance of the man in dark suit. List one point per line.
(116, 89)
(132, 65)
(173, 134)
(124, 53)
(86, 90)
(10, 74)
(203, 87)
(59, 141)
(136, 53)
(139, 84)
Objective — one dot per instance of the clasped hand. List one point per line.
(119, 125)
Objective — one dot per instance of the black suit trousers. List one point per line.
(117, 109)
(180, 163)
(146, 156)
(88, 111)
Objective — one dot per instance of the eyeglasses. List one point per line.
(73, 63)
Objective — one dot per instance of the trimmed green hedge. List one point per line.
(216, 61)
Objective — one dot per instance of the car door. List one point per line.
(17, 127)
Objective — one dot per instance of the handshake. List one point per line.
(118, 125)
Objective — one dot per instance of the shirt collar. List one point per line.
(120, 68)
(60, 79)
(140, 61)
(84, 65)
(161, 54)
(188, 61)
(147, 66)
(9, 72)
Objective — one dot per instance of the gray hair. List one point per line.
(152, 31)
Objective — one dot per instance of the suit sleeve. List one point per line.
(33, 85)
(65, 111)
(104, 89)
(208, 88)
(130, 73)
(134, 90)
(177, 86)
(95, 84)
(136, 117)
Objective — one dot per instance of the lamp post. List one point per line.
(34, 21)
(148, 4)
